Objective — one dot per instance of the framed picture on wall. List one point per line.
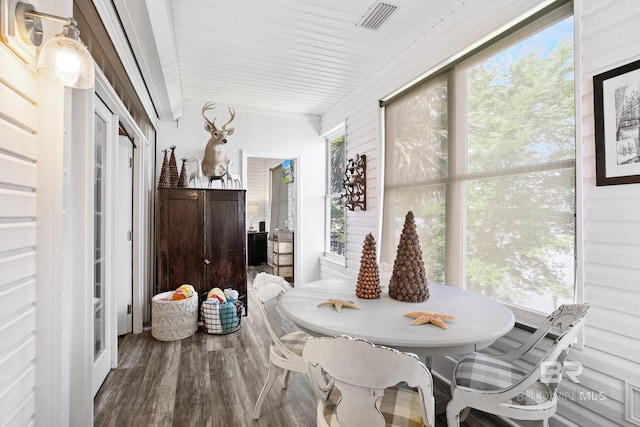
(616, 97)
(287, 171)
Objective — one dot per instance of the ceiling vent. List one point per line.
(377, 16)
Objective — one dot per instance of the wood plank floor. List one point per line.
(210, 380)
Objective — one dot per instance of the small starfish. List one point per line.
(430, 317)
(339, 303)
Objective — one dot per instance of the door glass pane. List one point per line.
(99, 285)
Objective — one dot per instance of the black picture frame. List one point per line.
(616, 98)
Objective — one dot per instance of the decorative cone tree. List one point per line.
(182, 178)
(409, 280)
(164, 172)
(173, 167)
(368, 285)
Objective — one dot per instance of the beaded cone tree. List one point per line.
(368, 285)
(173, 167)
(182, 178)
(164, 172)
(409, 280)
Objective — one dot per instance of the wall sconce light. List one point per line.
(354, 184)
(252, 211)
(63, 58)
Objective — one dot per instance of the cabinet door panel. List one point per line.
(180, 239)
(226, 244)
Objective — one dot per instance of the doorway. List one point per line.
(124, 233)
(112, 239)
(105, 127)
(260, 172)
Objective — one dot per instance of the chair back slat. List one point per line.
(564, 319)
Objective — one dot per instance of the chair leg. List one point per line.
(271, 377)
(285, 379)
(453, 414)
(541, 423)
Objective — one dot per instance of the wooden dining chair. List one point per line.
(501, 384)
(360, 384)
(285, 350)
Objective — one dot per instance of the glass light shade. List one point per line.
(66, 61)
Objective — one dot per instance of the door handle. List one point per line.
(206, 261)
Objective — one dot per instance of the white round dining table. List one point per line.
(479, 320)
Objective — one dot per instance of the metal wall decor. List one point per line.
(355, 183)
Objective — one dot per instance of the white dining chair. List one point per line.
(285, 350)
(501, 384)
(360, 384)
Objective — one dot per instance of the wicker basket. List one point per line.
(219, 321)
(173, 320)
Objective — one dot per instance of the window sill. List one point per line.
(335, 259)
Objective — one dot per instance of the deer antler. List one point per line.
(206, 107)
(233, 116)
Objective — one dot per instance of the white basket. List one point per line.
(173, 320)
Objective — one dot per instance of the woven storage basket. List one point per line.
(173, 320)
(219, 322)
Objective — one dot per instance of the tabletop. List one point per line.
(479, 320)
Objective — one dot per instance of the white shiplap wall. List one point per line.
(18, 182)
(611, 234)
(609, 392)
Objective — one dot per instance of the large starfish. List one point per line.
(339, 303)
(430, 317)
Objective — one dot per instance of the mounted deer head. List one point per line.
(215, 163)
(219, 136)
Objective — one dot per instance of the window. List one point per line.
(484, 156)
(336, 217)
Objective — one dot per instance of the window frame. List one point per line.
(455, 223)
(332, 135)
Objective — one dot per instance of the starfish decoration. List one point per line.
(430, 317)
(338, 304)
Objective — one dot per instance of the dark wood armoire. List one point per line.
(201, 239)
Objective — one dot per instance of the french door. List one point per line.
(123, 234)
(104, 263)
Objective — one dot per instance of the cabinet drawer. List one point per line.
(283, 247)
(283, 271)
(280, 259)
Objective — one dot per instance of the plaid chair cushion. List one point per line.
(294, 342)
(400, 407)
(483, 372)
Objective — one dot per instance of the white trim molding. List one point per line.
(632, 403)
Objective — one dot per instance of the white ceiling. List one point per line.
(298, 56)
